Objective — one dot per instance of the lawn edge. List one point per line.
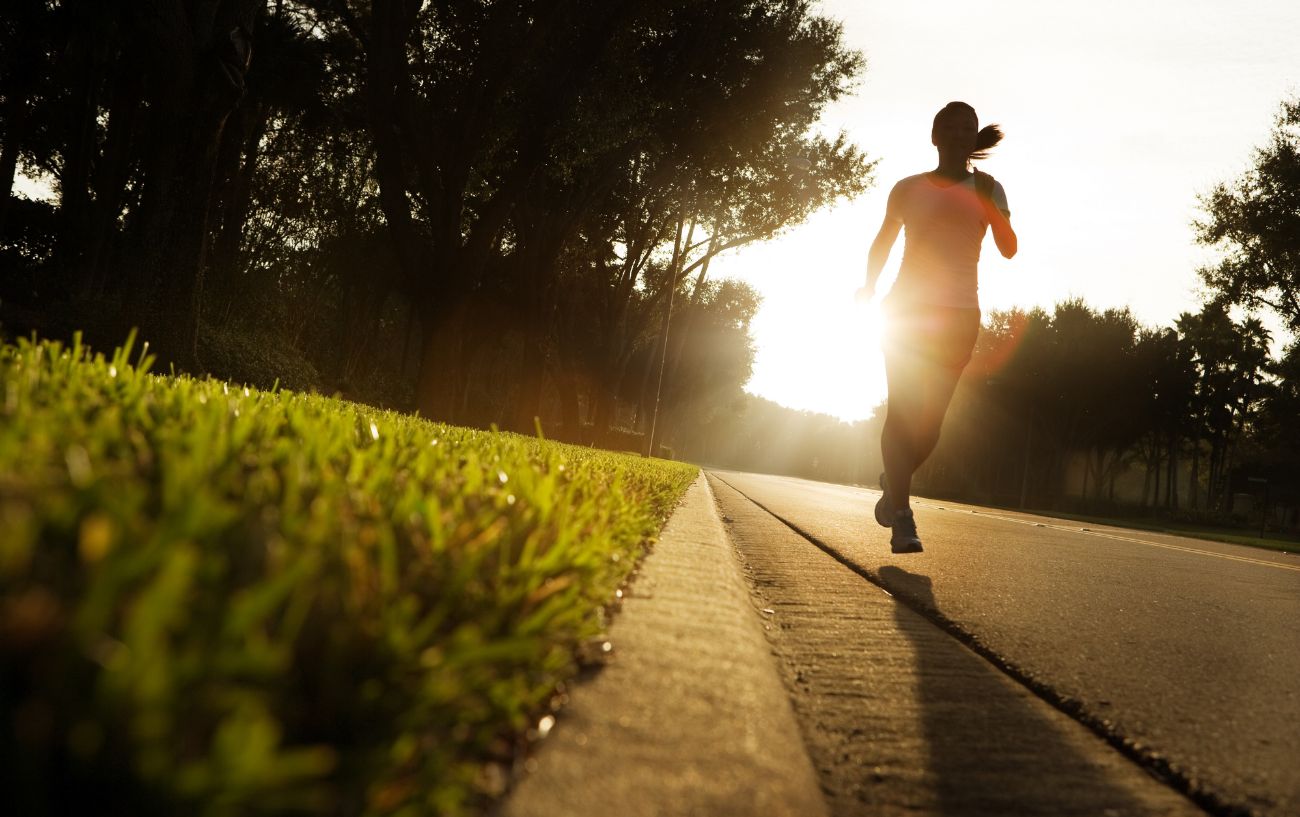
(690, 715)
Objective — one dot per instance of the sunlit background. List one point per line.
(1117, 115)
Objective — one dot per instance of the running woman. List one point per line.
(932, 312)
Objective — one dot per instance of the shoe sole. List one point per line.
(906, 548)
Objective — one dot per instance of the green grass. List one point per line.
(219, 600)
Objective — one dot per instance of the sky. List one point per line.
(1117, 114)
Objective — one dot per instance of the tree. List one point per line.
(1255, 222)
(512, 192)
(478, 112)
(755, 434)
(26, 43)
(1276, 454)
(1229, 359)
(128, 115)
(1170, 380)
(196, 58)
(711, 354)
(1042, 389)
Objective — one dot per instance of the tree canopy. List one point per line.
(481, 210)
(1254, 221)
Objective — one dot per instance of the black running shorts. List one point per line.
(939, 335)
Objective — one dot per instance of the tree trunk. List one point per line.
(409, 334)
(16, 117)
(1155, 478)
(1212, 482)
(440, 385)
(237, 166)
(532, 366)
(697, 293)
(1087, 466)
(354, 330)
(566, 380)
(1112, 473)
(81, 74)
(437, 393)
(1225, 472)
(1171, 501)
(197, 79)
(602, 411)
(110, 180)
(23, 69)
(679, 252)
(536, 276)
(391, 24)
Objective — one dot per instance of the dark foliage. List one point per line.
(484, 211)
(1255, 222)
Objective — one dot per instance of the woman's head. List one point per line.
(956, 129)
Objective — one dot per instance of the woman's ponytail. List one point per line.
(987, 138)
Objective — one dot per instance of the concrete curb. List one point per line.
(690, 717)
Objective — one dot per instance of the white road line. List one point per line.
(1068, 529)
(1116, 537)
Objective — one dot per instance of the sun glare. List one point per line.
(818, 350)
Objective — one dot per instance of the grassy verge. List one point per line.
(224, 601)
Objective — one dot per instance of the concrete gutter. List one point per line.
(690, 716)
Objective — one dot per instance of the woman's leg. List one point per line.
(940, 383)
(919, 394)
(926, 350)
(902, 413)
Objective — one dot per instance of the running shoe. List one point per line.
(904, 538)
(884, 509)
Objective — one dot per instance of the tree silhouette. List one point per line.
(448, 188)
(28, 43)
(1255, 222)
(1274, 447)
(1229, 360)
(476, 111)
(1045, 389)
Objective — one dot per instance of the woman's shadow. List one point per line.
(994, 747)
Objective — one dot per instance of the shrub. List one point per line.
(240, 357)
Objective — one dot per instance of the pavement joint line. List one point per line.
(1103, 535)
(1147, 758)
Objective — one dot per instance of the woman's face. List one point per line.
(955, 132)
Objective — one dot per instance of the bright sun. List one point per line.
(826, 359)
(817, 349)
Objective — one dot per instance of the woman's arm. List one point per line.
(1003, 234)
(884, 242)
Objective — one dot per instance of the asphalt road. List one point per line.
(1187, 651)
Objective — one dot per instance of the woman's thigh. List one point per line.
(926, 349)
(919, 389)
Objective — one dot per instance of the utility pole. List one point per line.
(674, 271)
(663, 357)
